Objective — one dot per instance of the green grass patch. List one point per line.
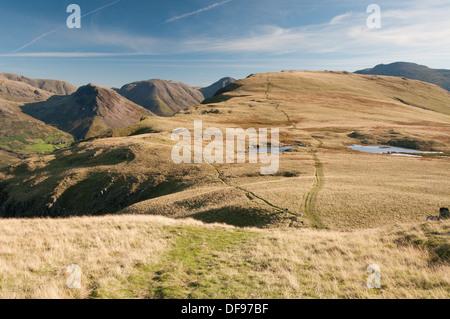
(429, 239)
(193, 268)
(202, 264)
(24, 145)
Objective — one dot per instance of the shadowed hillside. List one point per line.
(20, 134)
(209, 91)
(89, 112)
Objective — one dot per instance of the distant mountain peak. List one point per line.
(90, 111)
(164, 98)
(87, 89)
(52, 86)
(412, 71)
(209, 91)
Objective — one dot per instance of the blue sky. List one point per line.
(200, 41)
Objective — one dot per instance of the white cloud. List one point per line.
(339, 18)
(421, 31)
(404, 32)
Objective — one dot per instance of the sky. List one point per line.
(200, 41)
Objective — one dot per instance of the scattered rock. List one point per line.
(443, 214)
(440, 234)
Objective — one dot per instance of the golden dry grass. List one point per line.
(367, 190)
(36, 253)
(155, 257)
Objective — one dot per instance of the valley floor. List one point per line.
(157, 257)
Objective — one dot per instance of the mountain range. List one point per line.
(164, 98)
(52, 86)
(38, 116)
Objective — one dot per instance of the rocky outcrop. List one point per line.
(444, 212)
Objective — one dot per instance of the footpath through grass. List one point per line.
(203, 263)
(155, 257)
(215, 262)
(309, 203)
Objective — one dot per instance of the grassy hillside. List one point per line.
(105, 176)
(332, 185)
(22, 136)
(160, 237)
(155, 257)
(7, 158)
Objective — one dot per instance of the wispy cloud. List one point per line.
(339, 18)
(404, 32)
(407, 34)
(67, 54)
(59, 28)
(217, 4)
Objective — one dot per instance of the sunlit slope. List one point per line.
(320, 110)
(333, 186)
(53, 86)
(313, 95)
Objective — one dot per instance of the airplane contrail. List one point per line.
(59, 28)
(198, 11)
